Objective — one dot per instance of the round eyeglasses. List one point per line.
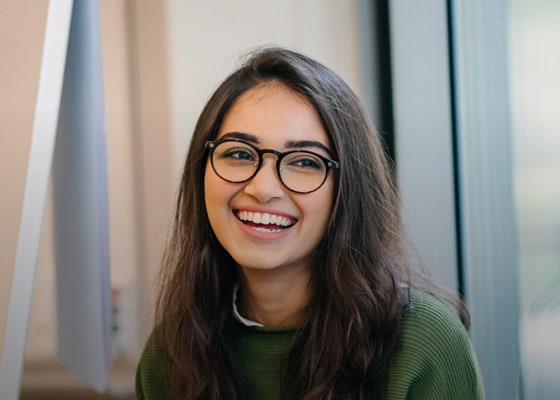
(300, 171)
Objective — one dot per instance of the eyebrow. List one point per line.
(307, 143)
(290, 144)
(243, 136)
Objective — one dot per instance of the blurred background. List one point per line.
(465, 94)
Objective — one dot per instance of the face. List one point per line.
(260, 223)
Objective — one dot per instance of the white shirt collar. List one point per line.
(238, 316)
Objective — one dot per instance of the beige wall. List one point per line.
(206, 39)
(21, 35)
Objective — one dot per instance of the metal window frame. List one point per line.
(422, 107)
(487, 213)
(451, 111)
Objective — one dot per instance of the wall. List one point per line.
(207, 38)
(21, 38)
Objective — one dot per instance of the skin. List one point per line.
(275, 263)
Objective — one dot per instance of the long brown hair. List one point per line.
(359, 284)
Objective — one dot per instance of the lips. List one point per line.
(268, 222)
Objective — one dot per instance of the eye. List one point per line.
(239, 154)
(236, 153)
(303, 161)
(307, 163)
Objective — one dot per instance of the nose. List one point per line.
(265, 185)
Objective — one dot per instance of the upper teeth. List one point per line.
(264, 218)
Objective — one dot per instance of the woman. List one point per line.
(286, 275)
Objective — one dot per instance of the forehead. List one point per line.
(274, 113)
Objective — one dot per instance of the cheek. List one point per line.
(207, 179)
(212, 184)
(327, 197)
(319, 208)
(329, 203)
(217, 198)
(211, 192)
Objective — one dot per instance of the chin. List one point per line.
(258, 266)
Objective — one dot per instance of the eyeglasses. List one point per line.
(300, 171)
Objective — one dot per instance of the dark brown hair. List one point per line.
(359, 287)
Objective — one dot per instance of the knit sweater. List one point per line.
(435, 359)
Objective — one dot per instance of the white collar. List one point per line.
(238, 316)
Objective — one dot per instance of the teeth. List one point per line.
(264, 218)
(268, 230)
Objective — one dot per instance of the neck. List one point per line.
(273, 301)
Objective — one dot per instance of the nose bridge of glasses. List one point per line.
(272, 152)
(277, 153)
(274, 162)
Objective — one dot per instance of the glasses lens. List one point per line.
(234, 161)
(302, 171)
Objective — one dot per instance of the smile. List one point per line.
(265, 222)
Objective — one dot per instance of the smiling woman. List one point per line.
(274, 117)
(286, 275)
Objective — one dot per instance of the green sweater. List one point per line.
(434, 362)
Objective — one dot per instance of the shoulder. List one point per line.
(432, 322)
(152, 373)
(435, 358)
